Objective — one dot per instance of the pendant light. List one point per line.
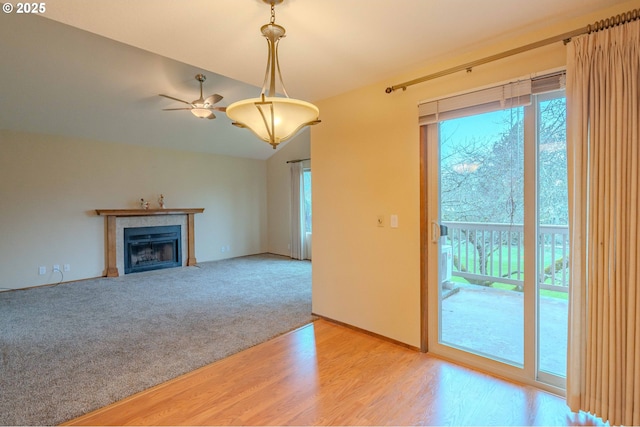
(273, 119)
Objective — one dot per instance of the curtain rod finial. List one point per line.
(391, 89)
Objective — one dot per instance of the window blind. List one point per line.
(509, 95)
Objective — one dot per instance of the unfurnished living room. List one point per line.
(347, 212)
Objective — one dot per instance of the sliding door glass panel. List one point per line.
(553, 232)
(481, 244)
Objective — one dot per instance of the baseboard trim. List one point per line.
(364, 331)
(47, 285)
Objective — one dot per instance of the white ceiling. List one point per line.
(57, 79)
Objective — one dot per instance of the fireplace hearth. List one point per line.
(152, 248)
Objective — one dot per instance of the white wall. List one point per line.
(279, 191)
(50, 187)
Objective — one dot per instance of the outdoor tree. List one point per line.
(482, 175)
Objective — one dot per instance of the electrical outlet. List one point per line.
(42, 270)
(56, 267)
(67, 267)
(223, 248)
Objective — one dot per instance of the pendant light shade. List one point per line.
(273, 119)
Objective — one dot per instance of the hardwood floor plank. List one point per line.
(327, 374)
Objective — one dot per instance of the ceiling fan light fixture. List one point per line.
(201, 112)
(201, 107)
(273, 119)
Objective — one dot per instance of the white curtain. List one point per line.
(603, 111)
(298, 236)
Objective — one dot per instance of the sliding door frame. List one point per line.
(429, 255)
(424, 242)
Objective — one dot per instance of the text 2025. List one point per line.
(31, 7)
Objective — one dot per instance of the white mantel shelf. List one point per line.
(112, 214)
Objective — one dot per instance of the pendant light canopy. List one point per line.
(273, 119)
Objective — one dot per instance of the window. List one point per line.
(306, 177)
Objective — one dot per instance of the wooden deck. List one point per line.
(327, 374)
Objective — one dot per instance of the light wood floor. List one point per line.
(327, 374)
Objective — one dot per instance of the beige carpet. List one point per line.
(69, 349)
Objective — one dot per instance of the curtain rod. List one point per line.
(566, 37)
(297, 161)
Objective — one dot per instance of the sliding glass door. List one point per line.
(553, 238)
(497, 248)
(481, 209)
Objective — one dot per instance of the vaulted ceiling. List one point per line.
(94, 68)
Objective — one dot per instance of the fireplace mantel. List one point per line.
(112, 214)
(148, 212)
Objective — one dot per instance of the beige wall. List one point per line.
(279, 191)
(50, 187)
(366, 163)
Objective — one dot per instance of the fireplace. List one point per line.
(152, 248)
(116, 220)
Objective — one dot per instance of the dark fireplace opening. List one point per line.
(152, 248)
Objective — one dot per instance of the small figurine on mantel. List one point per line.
(161, 201)
(144, 204)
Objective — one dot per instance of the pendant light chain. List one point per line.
(273, 14)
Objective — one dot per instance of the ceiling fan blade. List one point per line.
(211, 116)
(213, 99)
(175, 99)
(175, 109)
(223, 109)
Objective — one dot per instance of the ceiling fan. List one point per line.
(201, 107)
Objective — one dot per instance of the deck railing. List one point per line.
(486, 253)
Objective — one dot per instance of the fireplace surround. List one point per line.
(116, 220)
